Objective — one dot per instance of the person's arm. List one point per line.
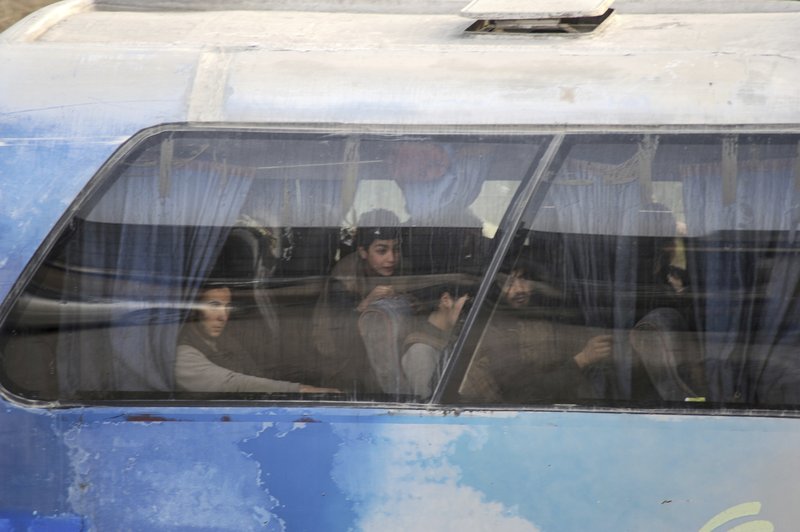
(196, 373)
(342, 299)
(420, 364)
(532, 369)
(596, 349)
(379, 292)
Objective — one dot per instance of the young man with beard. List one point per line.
(525, 358)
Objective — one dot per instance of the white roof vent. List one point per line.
(537, 16)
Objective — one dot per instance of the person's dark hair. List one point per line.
(212, 285)
(194, 314)
(520, 259)
(377, 224)
(427, 300)
(522, 265)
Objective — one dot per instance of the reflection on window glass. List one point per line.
(257, 264)
(648, 270)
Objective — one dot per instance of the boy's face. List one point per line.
(381, 256)
(517, 290)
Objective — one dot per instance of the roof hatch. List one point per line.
(537, 16)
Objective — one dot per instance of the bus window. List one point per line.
(203, 263)
(650, 270)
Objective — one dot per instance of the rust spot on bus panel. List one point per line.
(225, 418)
(147, 418)
(306, 419)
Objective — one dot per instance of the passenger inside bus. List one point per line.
(424, 347)
(440, 182)
(356, 281)
(665, 365)
(209, 361)
(661, 282)
(531, 359)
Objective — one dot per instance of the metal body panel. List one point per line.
(70, 98)
(377, 469)
(637, 69)
(50, 147)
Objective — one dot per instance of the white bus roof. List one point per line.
(116, 66)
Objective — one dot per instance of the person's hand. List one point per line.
(379, 292)
(595, 350)
(304, 388)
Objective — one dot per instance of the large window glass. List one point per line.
(641, 270)
(649, 270)
(236, 264)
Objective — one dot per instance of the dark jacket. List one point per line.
(343, 361)
(532, 361)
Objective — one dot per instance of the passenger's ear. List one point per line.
(362, 252)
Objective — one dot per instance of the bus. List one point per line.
(422, 265)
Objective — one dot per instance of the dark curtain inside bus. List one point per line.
(596, 199)
(586, 250)
(742, 212)
(145, 248)
(684, 251)
(187, 211)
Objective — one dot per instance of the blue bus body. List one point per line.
(72, 111)
(320, 468)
